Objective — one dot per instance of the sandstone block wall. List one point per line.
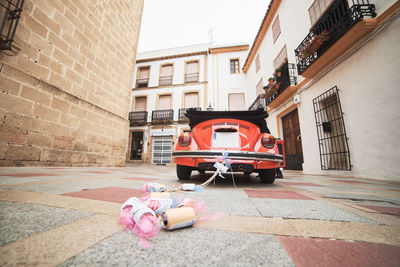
(65, 86)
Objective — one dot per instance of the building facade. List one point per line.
(168, 81)
(337, 103)
(66, 81)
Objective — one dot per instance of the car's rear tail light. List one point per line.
(268, 141)
(184, 139)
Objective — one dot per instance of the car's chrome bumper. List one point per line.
(238, 155)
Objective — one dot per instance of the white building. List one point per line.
(341, 114)
(169, 81)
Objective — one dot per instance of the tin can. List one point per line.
(178, 218)
(159, 205)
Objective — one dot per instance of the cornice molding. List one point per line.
(228, 49)
(172, 56)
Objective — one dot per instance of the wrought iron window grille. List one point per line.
(182, 111)
(137, 117)
(10, 12)
(331, 131)
(162, 116)
(259, 103)
(337, 20)
(165, 80)
(191, 77)
(141, 83)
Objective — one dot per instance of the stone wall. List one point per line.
(65, 86)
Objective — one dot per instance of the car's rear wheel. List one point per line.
(183, 172)
(267, 176)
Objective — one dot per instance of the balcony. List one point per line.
(182, 112)
(141, 83)
(165, 80)
(259, 103)
(137, 118)
(287, 86)
(337, 22)
(191, 77)
(164, 116)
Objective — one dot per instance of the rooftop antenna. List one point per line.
(210, 35)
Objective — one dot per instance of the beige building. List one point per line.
(65, 84)
(169, 81)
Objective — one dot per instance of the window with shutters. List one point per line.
(276, 29)
(164, 102)
(280, 58)
(166, 74)
(192, 72)
(140, 103)
(234, 65)
(317, 9)
(236, 101)
(143, 76)
(191, 100)
(257, 63)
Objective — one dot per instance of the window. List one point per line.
(332, 138)
(166, 74)
(191, 100)
(257, 63)
(236, 101)
(143, 77)
(234, 65)
(140, 103)
(317, 9)
(276, 29)
(192, 72)
(259, 87)
(164, 102)
(280, 58)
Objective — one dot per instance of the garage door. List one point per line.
(162, 149)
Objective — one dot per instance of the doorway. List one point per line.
(136, 145)
(292, 138)
(162, 149)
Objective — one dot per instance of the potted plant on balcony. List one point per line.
(312, 45)
(271, 88)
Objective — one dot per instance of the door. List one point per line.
(162, 149)
(137, 145)
(292, 138)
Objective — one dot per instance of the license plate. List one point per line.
(225, 140)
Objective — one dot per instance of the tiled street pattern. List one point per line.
(69, 217)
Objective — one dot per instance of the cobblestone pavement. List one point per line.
(68, 216)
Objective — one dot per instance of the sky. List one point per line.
(174, 23)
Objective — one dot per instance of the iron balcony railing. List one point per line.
(165, 80)
(288, 78)
(137, 117)
(191, 77)
(162, 116)
(259, 103)
(335, 22)
(144, 82)
(182, 112)
(10, 12)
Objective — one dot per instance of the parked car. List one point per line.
(241, 136)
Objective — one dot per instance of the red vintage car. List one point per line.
(240, 136)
